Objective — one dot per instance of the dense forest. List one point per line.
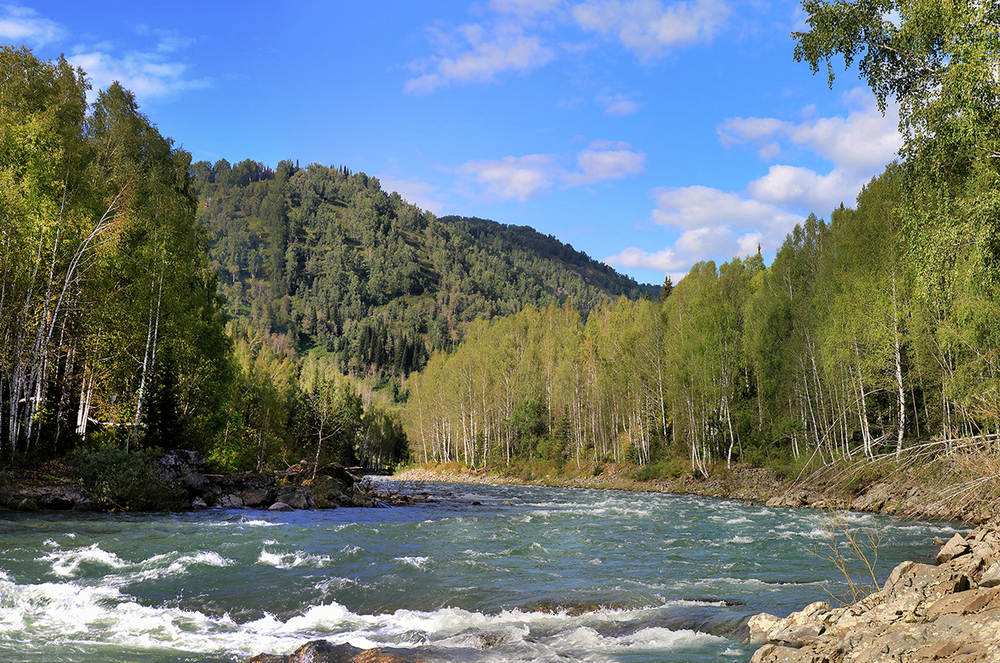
(112, 329)
(247, 312)
(268, 315)
(867, 333)
(324, 258)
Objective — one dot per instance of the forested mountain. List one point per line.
(326, 259)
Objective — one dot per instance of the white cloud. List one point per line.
(23, 26)
(665, 260)
(713, 224)
(858, 146)
(604, 160)
(514, 177)
(525, 9)
(148, 75)
(525, 177)
(718, 224)
(618, 105)
(413, 191)
(471, 53)
(649, 28)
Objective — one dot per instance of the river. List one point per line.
(527, 574)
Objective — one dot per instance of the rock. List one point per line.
(56, 498)
(230, 501)
(322, 651)
(256, 496)
(340, 473)
(324, 491)
(923, 614)
(27, 504)
(955, 547)
(280, 506)
(295, 497)
(760, 625)
(992, 576)
(199, 503)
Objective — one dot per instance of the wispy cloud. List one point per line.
(618, 104)
(518, 178)
(509, 38)
(24, 26)
(716, 224)
(605, 160)
(525, 177)
(151, 71)
(413, 191)
(473, 53)
(148, 74)
(650, 29)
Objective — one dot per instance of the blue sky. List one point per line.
(650, 134)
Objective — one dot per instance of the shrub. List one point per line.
(120, 480)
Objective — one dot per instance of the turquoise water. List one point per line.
(529, 574)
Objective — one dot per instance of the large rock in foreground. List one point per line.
(948, 613)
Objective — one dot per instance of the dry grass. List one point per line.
(849, 549)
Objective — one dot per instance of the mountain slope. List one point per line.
(323, 258)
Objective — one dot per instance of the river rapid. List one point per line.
(480, 573)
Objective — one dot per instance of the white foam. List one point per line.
(66, 563)
(292, 560)
(417, 562)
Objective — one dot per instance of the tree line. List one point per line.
(866, 333)
(112, 330)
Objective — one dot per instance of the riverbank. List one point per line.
(938, 489)
(948, 612)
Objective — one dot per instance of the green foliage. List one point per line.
(119, 480)
(332, 262)
(100, 241)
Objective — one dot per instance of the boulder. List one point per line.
(230, 501)
(760, 625)
(992, 576)
(955, 547)
(294, 496)
(257, 497)
(324, 491)
(322, 651)
(280, 506)
(340, 473)
(56, 498)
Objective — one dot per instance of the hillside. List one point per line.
(324, 258)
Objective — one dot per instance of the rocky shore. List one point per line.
(55, 488)
(899, 495)
(947, 612)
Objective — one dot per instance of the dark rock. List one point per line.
(66, 497)
(321, 651)
(257, 496)
(340, 473)
(295, 497)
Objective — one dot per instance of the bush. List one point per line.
(120, 480)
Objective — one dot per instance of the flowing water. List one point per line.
(527, 574)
